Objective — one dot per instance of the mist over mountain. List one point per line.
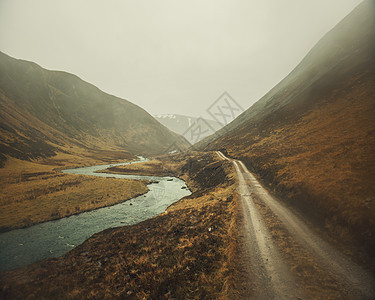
(192, 128)
(44, 111)
(273, 202)
(312, 137)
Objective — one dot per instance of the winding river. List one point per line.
(21, 247)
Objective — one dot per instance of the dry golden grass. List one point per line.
(77, 157)
(186, 253)
(154, 167)
(337, 169)
(311, 276)
(32, 192)
(320, 160)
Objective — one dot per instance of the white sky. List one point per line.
(170, 56)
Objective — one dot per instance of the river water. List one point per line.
(21, 247)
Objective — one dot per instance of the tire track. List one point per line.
(273, 280)
(355, 281)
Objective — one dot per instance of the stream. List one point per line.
(22, 247)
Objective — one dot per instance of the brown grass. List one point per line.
(185, 253)
(32, 193)
(315, 280)
(154, 167)
(320, 160)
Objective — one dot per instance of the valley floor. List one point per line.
(230, 239)
(187, 252)
(35, 192)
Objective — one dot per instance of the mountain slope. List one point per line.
(43, 111)
(312, 137)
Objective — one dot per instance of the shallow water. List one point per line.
(21, 247)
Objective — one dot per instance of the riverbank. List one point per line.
(36, 192)
(187, 252)
(155, 167)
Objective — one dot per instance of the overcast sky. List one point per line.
(170, 56)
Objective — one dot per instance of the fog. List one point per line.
(170, 56)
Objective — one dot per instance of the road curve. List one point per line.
(357, 283)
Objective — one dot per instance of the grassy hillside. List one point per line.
(312, 137)
(42, 112)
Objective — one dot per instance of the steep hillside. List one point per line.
(43, 111)
(312, 137)
(186, 126)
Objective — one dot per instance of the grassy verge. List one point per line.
(187, 252)
(315, 279)
(35, 192)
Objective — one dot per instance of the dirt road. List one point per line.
(301, 265)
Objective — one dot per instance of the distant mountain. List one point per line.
(44, 111)
(192, 128)
(312, 137)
